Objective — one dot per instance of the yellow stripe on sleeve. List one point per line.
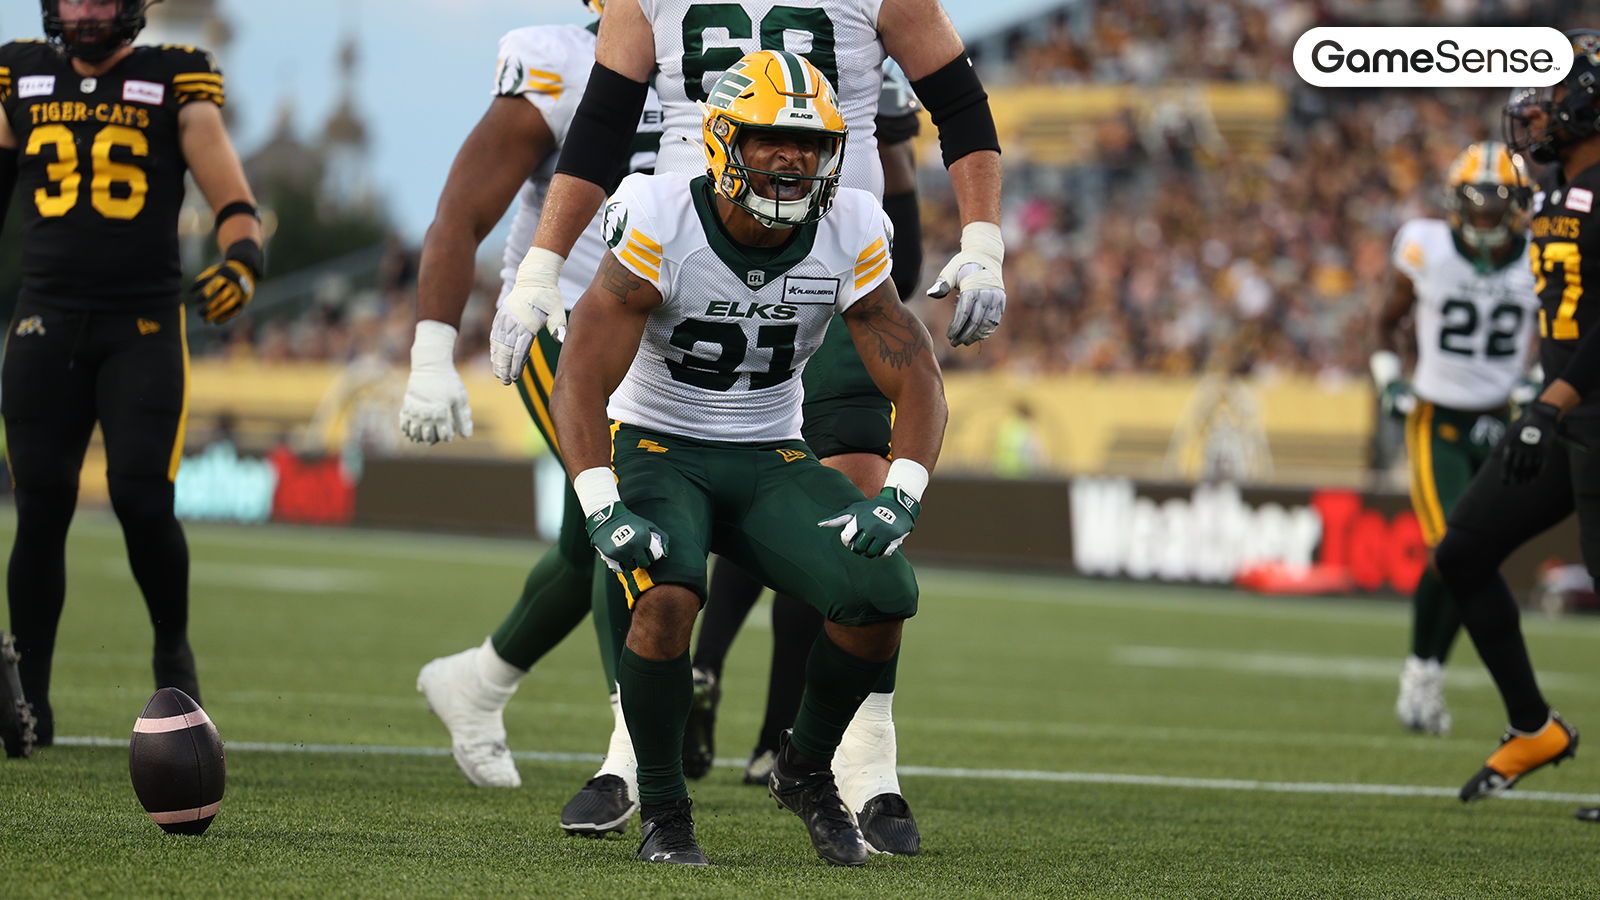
(653, 256)
(646, 241)
(870, 251)
(864, 280)
(869, 264)
(215, 77)
(627, 255)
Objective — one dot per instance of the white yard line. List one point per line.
(1035, 775)
(1344, 668)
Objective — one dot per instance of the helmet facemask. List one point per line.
(94, 40)
(1488, 197)
(1488, 216)
(797, 198)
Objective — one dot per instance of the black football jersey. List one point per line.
(100, 172)
(1565, 253)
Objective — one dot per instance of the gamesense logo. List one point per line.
(1432, 57)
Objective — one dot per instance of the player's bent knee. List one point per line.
(876, 642)
(663, 620)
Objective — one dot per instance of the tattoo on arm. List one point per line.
(899, 337)
(616, 278)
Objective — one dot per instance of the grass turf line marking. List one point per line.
(1346, 668)
(1163, 781)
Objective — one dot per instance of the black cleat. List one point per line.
(602, 807)
(669, 836)
(759, 769)
(16, 715)
(174, 667)
(1588, 814)
(887, 825)
(806, 788)
(699, 733)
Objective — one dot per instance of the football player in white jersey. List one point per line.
(1469, 286)
(511, 154)
(698, 326)
(689, 42)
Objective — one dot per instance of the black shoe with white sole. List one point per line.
(602, 807)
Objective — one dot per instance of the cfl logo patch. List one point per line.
(622, 535)
(30, 325)
(885, 513)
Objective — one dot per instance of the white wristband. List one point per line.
(540, 261)
(434, 344)
(908, 475)
(983, 239)
(1385, 366)
(596, 489)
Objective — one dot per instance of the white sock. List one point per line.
(499, 677)
(620, 760)
(864, 764)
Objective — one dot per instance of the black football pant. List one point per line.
(62, 372)
(1493, 519)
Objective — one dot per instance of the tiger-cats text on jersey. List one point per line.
(100, 172)
(1565, 255)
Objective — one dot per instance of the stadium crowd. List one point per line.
(1163, 249)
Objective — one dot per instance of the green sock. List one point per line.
(555, 598)
(1434, 621)
(655, 701)
(611, 619)
(836, 683)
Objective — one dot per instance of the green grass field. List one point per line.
(1059, 737)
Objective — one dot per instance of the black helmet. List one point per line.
(1575, 117)
(95, 44)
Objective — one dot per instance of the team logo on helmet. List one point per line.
(1587, 44)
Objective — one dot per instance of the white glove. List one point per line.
(435, 407)
(975, 273)
(1385, 367)
(509, 344)
(535, 297)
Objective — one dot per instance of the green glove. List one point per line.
(625, 539)
(1397, 399)
(876, 526)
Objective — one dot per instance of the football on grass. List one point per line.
(175, 759)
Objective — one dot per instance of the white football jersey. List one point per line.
(722, 356)
(697, 41)
(1473, 328)
(549, 65)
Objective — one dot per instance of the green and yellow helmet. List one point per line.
(1488, 195)
(771, 90)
